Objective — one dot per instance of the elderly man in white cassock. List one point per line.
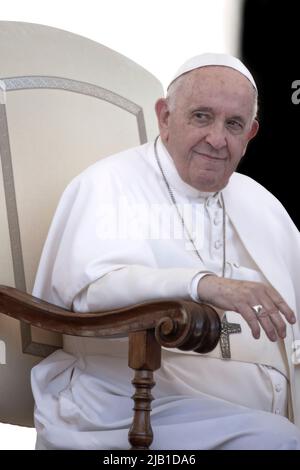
(238, 250)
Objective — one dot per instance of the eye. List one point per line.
(235, 125)
(199, 115)
(202, 117)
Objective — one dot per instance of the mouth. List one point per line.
(209, 157)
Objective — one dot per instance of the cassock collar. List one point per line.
(176, 182)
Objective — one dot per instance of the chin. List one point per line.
(209, 186)
(205, 186)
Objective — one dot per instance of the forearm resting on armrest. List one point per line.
(135, 284)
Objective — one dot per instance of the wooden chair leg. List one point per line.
(144, 359)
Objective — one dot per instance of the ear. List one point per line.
(254, 130)
(162, 113)
(251, 134)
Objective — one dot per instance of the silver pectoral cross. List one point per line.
(226, 330)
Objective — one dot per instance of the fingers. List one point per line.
(275, 302)
(285, 309)
(271, 320)
(272, 329)
(252, 320)
(276, 321)
(242, 296)
(271, 317)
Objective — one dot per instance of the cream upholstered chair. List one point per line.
(65, 102)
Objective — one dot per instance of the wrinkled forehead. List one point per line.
(217, 76)
(215, 82)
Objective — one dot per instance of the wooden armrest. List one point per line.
(182, 324)
(150, 325)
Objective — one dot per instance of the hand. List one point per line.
(241, 296)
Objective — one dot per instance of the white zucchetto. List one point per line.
(207, 59)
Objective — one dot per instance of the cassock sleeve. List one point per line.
(135, 284)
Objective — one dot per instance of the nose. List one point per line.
(216, 136)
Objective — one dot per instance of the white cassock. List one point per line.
(114, 242)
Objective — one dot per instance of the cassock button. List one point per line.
(277, 411)
(296, 352)
(278, 388)
(236, 265)
(218, 244)
(217, 220)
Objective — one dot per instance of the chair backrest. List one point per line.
(65, 102)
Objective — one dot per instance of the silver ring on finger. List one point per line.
(258, 309)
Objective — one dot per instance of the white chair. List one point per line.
(65, 102)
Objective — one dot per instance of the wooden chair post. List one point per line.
(144, 358)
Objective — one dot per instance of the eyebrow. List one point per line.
(202, 108)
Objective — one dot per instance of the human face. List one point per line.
(207, 124)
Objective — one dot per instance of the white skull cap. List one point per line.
(207, 59)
